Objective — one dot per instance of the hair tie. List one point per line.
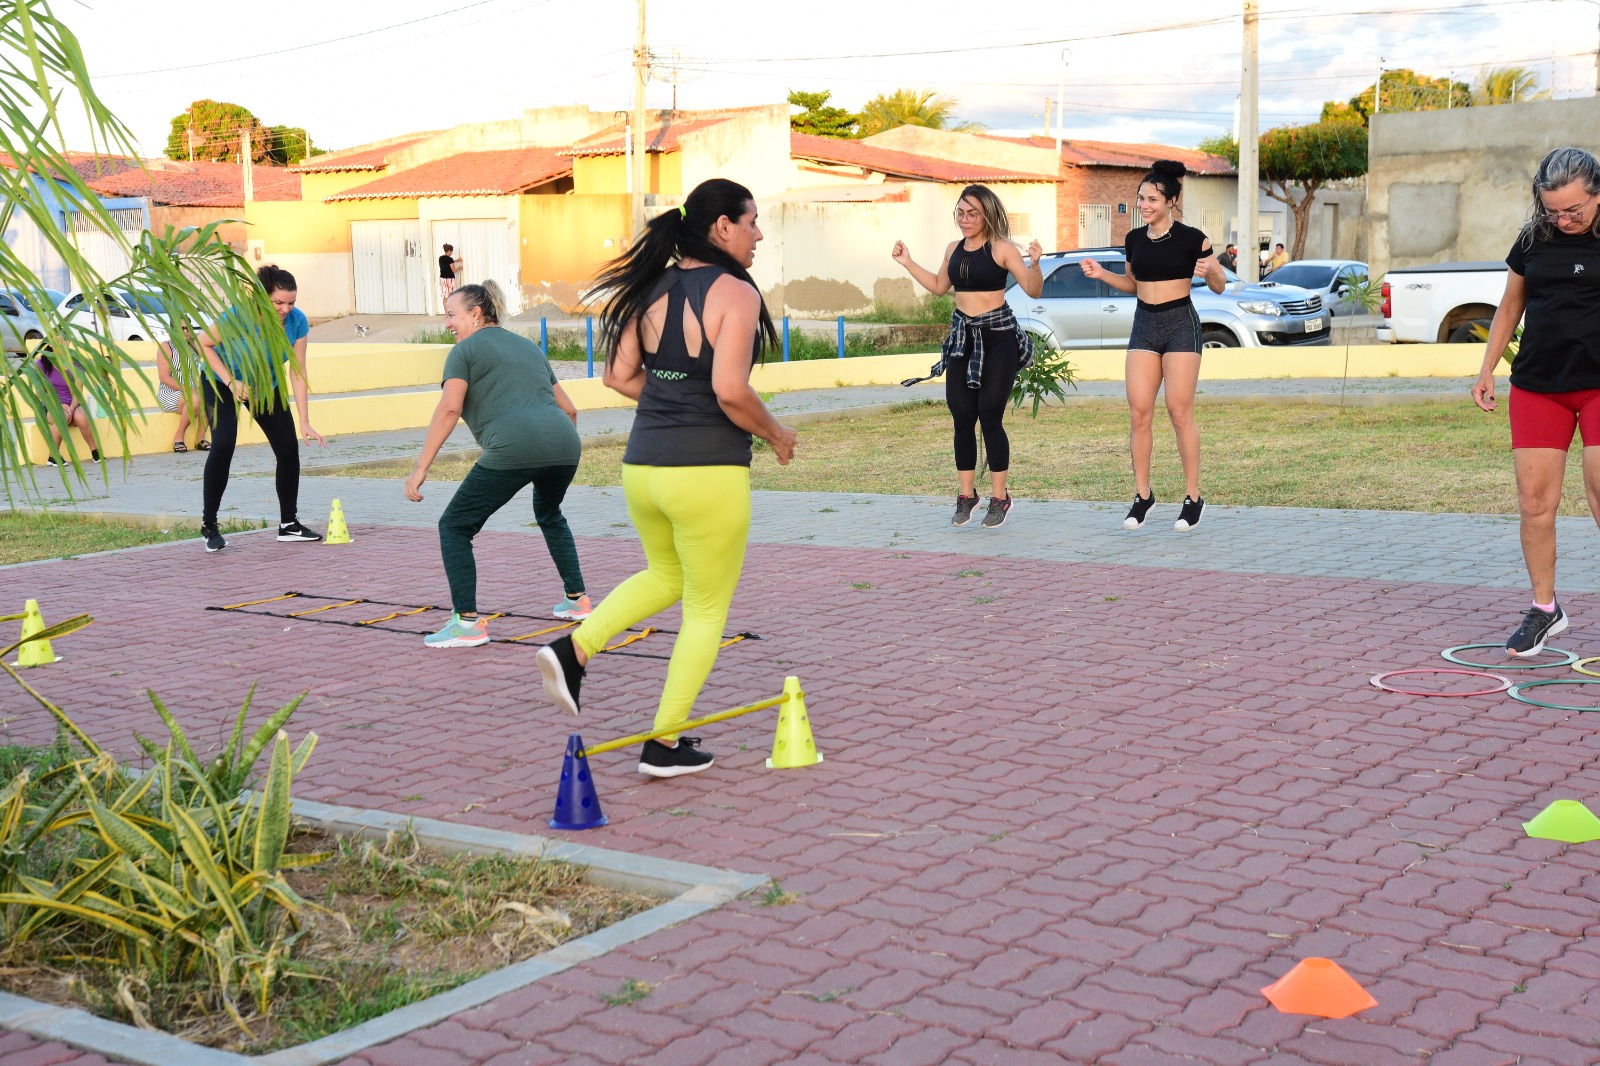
(683, 211)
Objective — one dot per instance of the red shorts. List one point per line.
(1547, 419)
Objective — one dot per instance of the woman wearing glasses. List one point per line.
(985, 347)
(1554, 279)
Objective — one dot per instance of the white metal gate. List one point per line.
(486, 250)
(391, 267)
(1094, 225)
(103, 251)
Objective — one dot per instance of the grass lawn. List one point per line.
(26, 536)
(1425, 456)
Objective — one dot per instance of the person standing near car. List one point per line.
(224, 391)
(1553, 288)
(1279, 258)
(1229, 259)
(1164, 346)
(985, 347)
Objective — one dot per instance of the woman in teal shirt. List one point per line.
(501, 384)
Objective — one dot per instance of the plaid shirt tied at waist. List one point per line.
(955, 342)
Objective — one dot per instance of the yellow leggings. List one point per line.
(693, 523)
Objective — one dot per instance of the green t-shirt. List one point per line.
(511, 404)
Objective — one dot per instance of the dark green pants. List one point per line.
(484, 492)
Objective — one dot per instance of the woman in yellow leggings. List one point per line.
(683, 324)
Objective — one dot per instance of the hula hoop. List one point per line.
(1449, 656)
(1505, 682)
(1579, 666)
(1515, 692)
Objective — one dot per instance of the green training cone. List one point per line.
(1566, 820)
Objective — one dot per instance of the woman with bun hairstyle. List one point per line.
(501, 384)
(985, 347)
(1553, 289)
(224, 390)
(1163, 256)
(682, 325)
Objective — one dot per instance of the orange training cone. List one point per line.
(1319, 987)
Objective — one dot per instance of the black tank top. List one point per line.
(1171, 258)
(975, 271)
(679, 421)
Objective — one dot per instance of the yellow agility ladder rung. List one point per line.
(540, 632)
(269, 599)
(391, 617)
(637, 636)
(329, 607)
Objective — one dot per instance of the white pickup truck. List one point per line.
(1439, 304)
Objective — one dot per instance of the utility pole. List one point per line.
(1061, 102)
(1047, 116)
(244, 164)
(641, 72)
(1249, 264)
(1377, 89)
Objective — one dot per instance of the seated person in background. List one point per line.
(75, 413)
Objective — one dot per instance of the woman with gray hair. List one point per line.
(501, 384)
(1553, 279)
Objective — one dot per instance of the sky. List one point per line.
(356, 71)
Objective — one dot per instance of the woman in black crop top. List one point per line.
(1163, 256)
(985, 342)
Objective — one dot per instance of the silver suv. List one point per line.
(1076, 311)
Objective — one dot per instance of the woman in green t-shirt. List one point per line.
(501, 385)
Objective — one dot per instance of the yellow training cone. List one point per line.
(792, 745)
(338, 532)
(34, 652)
(1565, 820)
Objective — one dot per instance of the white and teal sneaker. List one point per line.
(459, 633)
(573, 609)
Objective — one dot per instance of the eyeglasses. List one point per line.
(966, 216)
(1571, 214)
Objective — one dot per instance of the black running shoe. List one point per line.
(563, 677)
(1189, 517)
(294, 531)
(213, 536)
(1141, 507)
(998, 510)
(658, 760)
(1537, 627)
(964, 506)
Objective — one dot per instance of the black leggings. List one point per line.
(277, 424)
(987, 404)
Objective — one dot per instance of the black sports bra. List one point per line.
(1171, 258)
(976, 271)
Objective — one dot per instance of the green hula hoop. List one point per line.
(1515, 692)
(1449, 655)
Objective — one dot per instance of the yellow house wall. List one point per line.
(565, 240)
(598, 174)
(311, 240)
(318, 187)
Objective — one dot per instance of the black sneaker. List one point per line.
(1537, 627)
(213, 536)
(1189, 517)
(658, 760)
(294, 531)
(998, 510)
(964, 506)
(563, 677)
(1141, 507)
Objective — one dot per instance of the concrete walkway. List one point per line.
(1086, 791)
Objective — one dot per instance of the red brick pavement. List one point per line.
(1068, 813)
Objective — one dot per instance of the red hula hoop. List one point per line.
(1505, 682)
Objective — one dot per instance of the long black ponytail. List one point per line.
(626, 284)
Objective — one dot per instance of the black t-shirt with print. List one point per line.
(1560, 350)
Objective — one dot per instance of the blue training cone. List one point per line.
(577, 803)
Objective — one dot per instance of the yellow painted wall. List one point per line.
(565, 240)
(309, 226)
(609, 174)
(314, 188)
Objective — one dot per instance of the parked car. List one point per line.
(1329, 278)
(55, 296)
(18, 324)
(1441, 303)
(1076, 311)
(122, 314)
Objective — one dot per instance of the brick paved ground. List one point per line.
(1073, 809)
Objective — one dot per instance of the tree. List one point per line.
(912, 107)
(819, 119)
(1406, 90)
(1307, 158)
(1222, 145)
(193, 269)
(288, 145)
(214, 128)
(1507, 85)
